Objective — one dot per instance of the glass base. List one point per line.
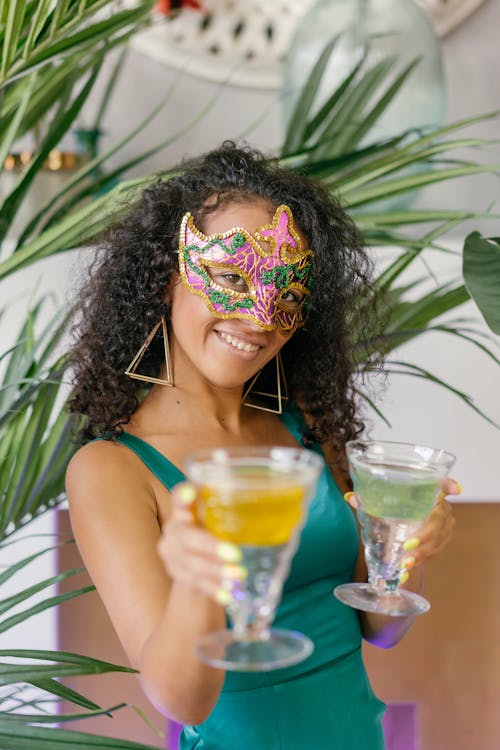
(281, 649)
(400, 603)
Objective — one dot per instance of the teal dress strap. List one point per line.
(294, 422)
(167, 473)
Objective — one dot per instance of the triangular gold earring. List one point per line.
(131, 369)
(275, 401)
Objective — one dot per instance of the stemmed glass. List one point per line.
(396, 485)
(256, 498)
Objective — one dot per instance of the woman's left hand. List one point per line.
(433, 535)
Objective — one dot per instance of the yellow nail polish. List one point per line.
(408, 562)
(348, 496)
(460, 489)
(404, 577)
(411, 543)
(223, 597)
(186, 493)
(234, 572)
(228, 552)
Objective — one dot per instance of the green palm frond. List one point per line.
(330, 139)
(51, 54)
(23, 669)
(32, 40)
(396, 367)
(27, 737)
(35, 443)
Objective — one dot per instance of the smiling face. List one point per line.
(228, 346)
(259, 273)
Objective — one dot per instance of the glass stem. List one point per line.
(247, 620)
(382, 587)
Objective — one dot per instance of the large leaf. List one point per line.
(481, 268)
(51, 53)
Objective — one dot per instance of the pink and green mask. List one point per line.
(275, 268)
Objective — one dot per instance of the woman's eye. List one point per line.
(234, 279)
(292, 298)
(229, 280)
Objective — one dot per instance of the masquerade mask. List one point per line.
(264, 277)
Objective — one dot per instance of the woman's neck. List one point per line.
(197, 404)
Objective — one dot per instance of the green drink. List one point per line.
(396, 485)
(391, 491)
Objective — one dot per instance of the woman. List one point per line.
(240, 265)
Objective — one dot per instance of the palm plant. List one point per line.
(35, 447)
(23, 711)
(330, 140)
(35, 441)
(51, 55)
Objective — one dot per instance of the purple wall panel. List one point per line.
(399, 724)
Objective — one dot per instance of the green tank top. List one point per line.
(325, 702)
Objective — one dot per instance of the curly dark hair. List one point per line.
(124, 297)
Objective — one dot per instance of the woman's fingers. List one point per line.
(433, 536)
(351, 498)
(183, 502)
(450, 487)
(193, 556)
(437, 530)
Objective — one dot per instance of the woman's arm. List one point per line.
(158, 619)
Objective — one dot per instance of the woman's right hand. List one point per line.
(193, 556)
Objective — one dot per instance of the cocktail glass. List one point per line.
(396, 485)
(256, 498)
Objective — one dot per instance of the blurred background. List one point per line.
(236, 70)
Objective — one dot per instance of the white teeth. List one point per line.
(237, 343)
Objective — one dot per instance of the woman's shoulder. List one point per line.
(105, 467)
(98, 455)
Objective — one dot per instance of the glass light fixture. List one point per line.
(397, 28)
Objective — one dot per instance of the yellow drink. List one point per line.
(259, 516)
(254, 497)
